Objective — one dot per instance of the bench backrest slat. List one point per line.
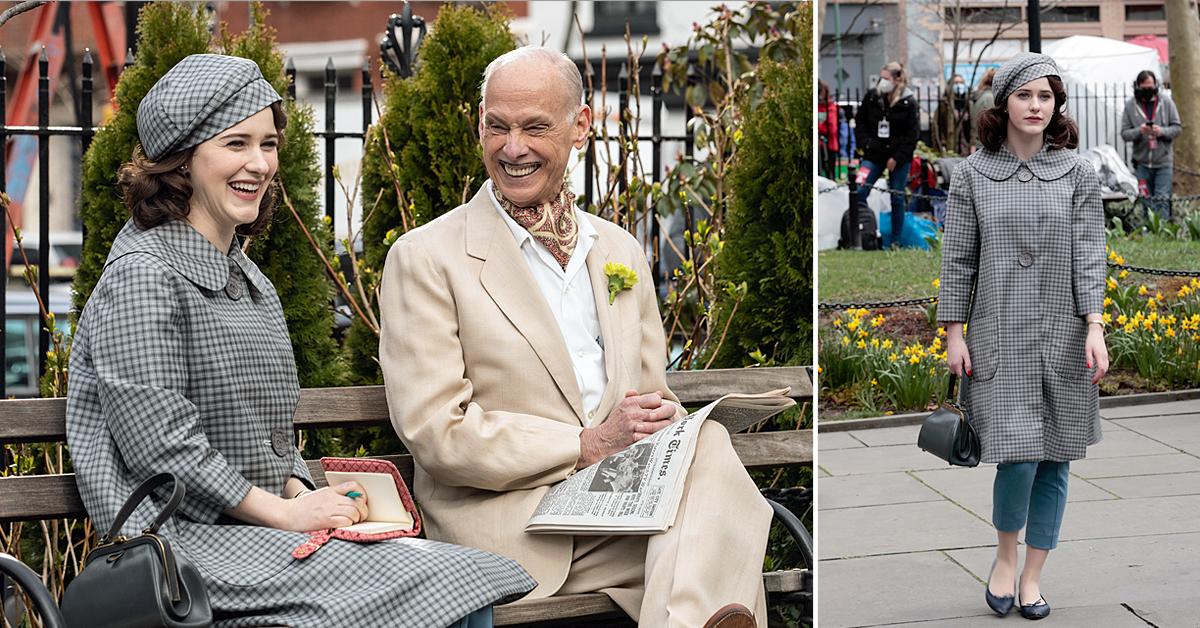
(55, 496)
(43, 420)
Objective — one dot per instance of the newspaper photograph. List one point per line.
(638, 489)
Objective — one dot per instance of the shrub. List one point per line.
(423, 157)
(768, 237)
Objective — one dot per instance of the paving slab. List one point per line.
(972, 488)
(1132, 517)
(1108, 571)
(1152, 485)
(837, 440)
(1120, 442)
(891, 529)
(1180, 431)
(882, 589)
(1152, 409)
(903, 435)
(1108, 616)
(1157, 464)
(886, 459)
(1184, 613)
(853, 491)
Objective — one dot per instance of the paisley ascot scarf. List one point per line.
(553, 224)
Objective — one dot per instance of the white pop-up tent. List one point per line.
(1098, 73)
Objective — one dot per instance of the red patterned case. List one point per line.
(362, 465)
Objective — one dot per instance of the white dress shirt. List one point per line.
(569, 295)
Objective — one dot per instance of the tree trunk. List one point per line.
(820, 21)
(1183, 31)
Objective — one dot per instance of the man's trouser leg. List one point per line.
(711, 557)
(713, 554)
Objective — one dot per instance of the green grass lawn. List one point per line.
(903, 274)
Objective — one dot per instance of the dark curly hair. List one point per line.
(1062, 132)
(158, 191)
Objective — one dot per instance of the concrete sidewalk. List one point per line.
(906, 541)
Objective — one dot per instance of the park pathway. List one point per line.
(906, 541)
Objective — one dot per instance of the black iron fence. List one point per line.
(1097, 109)
(23, 367)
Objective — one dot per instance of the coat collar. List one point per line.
(1047, 164)
(188, 253)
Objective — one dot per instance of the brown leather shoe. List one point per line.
(731, 616)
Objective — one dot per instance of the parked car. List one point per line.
(66, 249)
(21, 356)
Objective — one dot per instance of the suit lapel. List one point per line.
(507, 280)
(607, 315)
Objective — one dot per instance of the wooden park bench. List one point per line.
(25, 498)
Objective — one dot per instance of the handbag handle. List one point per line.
(141, 492)
(43, 601)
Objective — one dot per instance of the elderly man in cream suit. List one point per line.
(507, 369)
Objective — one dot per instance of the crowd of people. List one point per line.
(865, 140)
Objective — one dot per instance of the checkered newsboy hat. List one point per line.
(197, 99)
(1019, 70)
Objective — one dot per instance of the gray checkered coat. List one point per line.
(1033, 232)
(182, 362)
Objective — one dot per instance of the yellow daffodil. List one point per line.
(1108, 301)
(861, 344)
(914, 360)
(1142, 291)
(1123, 274)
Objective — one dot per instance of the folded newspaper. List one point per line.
(638, 489)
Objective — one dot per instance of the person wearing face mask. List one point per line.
(1152, 123)
(1023, 263)
(954, 113)
(886, 129)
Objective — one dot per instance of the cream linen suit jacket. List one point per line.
(480, 386)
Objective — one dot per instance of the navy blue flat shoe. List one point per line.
(999, 605)
(1037, 610)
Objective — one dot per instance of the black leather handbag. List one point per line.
(138, 582)
(948, 434)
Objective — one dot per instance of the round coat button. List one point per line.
(1025, 259)
(281, 442)
(1024, 176)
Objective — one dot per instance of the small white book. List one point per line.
(385, 510)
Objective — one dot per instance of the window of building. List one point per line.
(983, 15)
(1071, 14)
(609, 18)
(1145, 12)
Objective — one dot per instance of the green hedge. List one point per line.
(430, 122)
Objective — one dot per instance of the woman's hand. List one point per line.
(328, 507)
(958, 358)
(321, 509)
(1096, 352)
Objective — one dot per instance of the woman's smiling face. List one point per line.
(231, 172)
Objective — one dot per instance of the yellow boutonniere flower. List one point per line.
(620, 277)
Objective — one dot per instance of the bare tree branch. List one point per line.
(19, 8)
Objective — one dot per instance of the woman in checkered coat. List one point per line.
(182, 363)
(1023, 259)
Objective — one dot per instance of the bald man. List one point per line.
(507, 369)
